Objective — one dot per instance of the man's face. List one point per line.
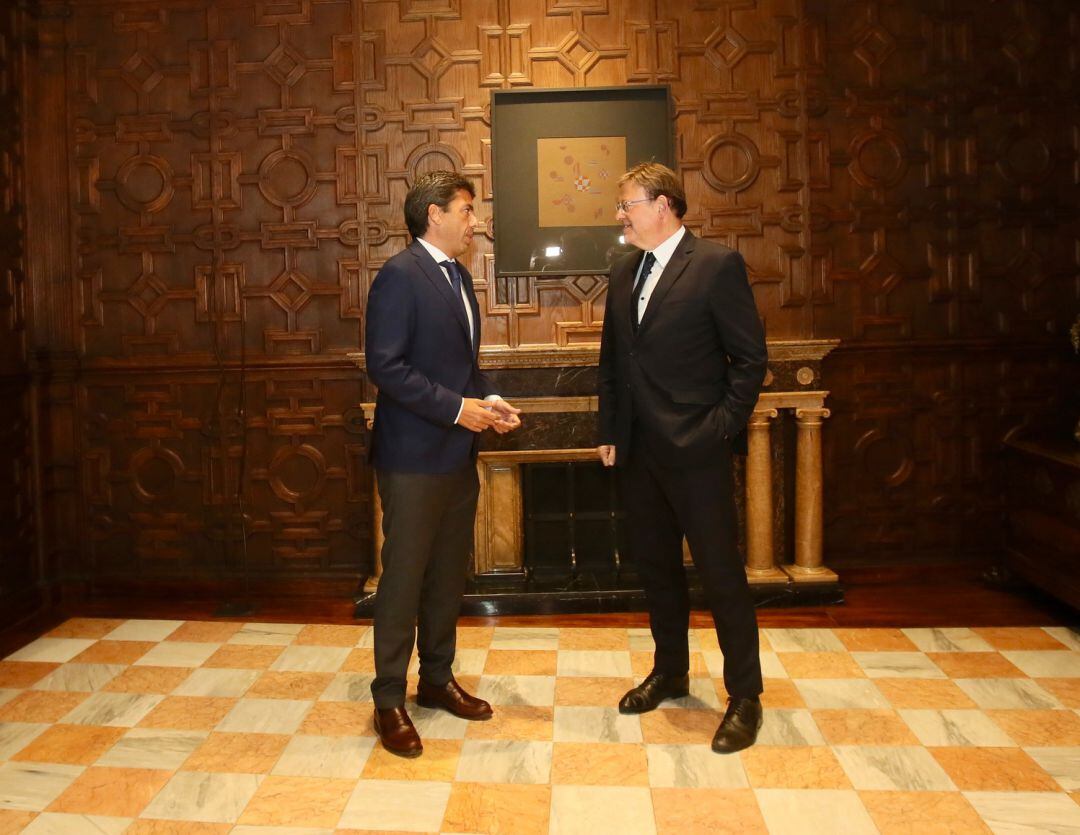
(456, 224)
(641, 222)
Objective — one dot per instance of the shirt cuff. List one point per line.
(460, 409)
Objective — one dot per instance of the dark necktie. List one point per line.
(455, 282)
(646, 268)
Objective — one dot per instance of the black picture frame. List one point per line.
(642, 114)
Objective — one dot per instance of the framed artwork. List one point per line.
(558, 155)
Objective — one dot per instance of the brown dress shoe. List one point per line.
(397, 733)
(452, 698)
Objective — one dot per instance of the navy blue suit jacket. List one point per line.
(420, 356)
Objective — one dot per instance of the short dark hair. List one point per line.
(438, 187)
(656, 180)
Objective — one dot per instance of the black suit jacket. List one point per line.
(419, 354)
(691, 374)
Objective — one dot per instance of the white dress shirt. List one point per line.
(662, 254)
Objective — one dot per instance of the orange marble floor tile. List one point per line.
(1039, 728)
(705, 811)
(289, 685)
(708, 642)
(1067, 690)
(975, 665)
(237, 752)
(84, 628)
(114, 652)
(820, 665)
(117, 792)
(12, 821)
(297, 801)
(927, 813)
(70, 744)
(779, 693)
(875, 640)
(863, 727)
(338, 719)
(599, 764)
(22, 674)
(244, 657)
(680, 727)
(590, 692)
(593, 638)
(157, 680)
(188, 713)
(360, 661)
(993, 769)
(515, 722)
(924, 693)
(164, 827)
(1076, 797)
(641, 664)
(205, 631)
(498, 809)
(793, 768)
(41, 706)
(328, 635)
(523, 662)
(474, 637)
(439, 763)
(1018, 637)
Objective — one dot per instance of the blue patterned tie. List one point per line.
(455, 282)
(646, 268)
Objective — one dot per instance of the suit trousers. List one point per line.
(663, 504)
(428, 525)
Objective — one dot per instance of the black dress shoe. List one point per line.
(654, 689)
(740, 726)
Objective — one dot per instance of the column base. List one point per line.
(766, 576)
(817, 574)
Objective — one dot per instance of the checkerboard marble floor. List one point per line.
(153, 726)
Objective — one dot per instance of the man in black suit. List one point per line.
(422, 348)
(682, 361)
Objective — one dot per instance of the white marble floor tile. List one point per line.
(14, 736)
(693, 767)
(897, 665)
(1007, 693)
(952, 639)
(178, 654)
(338, 757)
(1067, 636)
(504, 761)
(56, 650)
(535, 691)
(221, 683)
(265, 716)
(199, 796)
(33, 786)
(117, 710)
(311, 659)
(349, 687)
(589, 810)
(406, 806)
(467, 662)
(840, 693)
(892, 768)
(80, 677)
(516, 637)
(641, 640)
(702, 695)
(771, 666)
(152, 748)
(1046, 663)
(1027, 813)
(1063, 764)
(435, 723)
(595, 724)
(7, 695)
(144, 630)
(804, 640)
(814, 811)
(789, 726)
(367, 639)
(936, 728)
(589, 663)
(54, 823)
(267, 634)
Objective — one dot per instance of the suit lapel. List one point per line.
(674, 269)
(434, 273)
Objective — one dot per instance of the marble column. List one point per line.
(760, 554)
(809, 507)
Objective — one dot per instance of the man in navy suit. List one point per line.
(422, 348)
(682, 360)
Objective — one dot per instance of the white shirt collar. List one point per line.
(434, 251)
(664, 251)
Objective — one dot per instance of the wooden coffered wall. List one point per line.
(212, 184)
